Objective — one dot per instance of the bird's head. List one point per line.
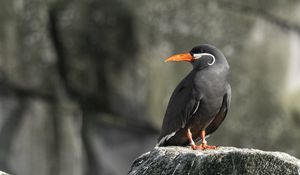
(201, 56)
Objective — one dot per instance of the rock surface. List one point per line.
(2, 173)
(224, 160)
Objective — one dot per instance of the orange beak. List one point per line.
(180, 57)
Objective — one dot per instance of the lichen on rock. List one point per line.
(223, 160)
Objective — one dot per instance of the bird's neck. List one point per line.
(217, 73)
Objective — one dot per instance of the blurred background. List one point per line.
(83, 85)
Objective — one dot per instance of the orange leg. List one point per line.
(190, 137)
(204, 145)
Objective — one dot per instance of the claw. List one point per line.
(194, 147)
(203, 147)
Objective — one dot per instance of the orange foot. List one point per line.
(203, 147)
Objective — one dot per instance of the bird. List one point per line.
(200, 102)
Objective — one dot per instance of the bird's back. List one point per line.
(175, 113)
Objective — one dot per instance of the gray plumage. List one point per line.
(200, 101)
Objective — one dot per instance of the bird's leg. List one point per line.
(190, 137)
(204, 145)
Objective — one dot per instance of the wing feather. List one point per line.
(180, 108)
(214, 125)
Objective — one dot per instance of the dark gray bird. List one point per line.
(200, 102)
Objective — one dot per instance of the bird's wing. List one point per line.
(180, 108)
(221, 114)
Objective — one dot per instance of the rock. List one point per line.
(224, 160)
(2, 173)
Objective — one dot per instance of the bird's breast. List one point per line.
(210, 84)
(206, 112)
(210, 87)
(210, 106)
